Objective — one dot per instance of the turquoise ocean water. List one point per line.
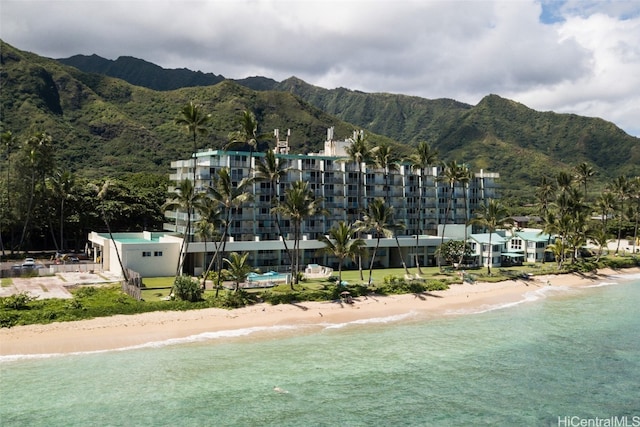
(568, 353)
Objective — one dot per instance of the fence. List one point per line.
(132, 287)
(88, 267)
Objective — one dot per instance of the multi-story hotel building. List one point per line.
(333, 177)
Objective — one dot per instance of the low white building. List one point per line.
(149, 253)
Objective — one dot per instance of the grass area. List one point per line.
(5, 282)
(98, 301)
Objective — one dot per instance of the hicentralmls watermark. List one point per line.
(576, 421)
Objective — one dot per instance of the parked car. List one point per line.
(29, 263)
(74, 259)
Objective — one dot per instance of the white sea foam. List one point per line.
(205, 336)
(527, 297)
(375, 320)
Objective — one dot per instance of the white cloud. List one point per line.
(586, 61)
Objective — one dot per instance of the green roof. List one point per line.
(533, 236)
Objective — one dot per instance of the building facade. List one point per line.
(345, 188)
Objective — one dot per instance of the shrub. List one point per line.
(187, 289)
(84, 292)
(18, 301)
(233, 299)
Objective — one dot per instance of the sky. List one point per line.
(573, 56)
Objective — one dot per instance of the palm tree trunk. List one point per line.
(420, 225)
(404, 265)
(490, 260)
(373, 258)
(29, 209)
(620, 228)
(113, 241)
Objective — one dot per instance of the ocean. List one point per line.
(560, 357)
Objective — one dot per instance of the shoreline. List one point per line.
(124, 331)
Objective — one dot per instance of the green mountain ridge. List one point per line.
(104, 125)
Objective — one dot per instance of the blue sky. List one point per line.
(570, 56)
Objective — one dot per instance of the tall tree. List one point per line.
(620, 188)
(194, 121)
(384, 159)
(634, 195)
(299, 204)
(583, 174)
(101, 195)
(545, 193)
(378, 219)
(342, 242)
(8, 142)
(271, 169)
(491, 215)
(183, 199)
(450, 175)
(63, 182)
(464, 178)
(210, 220)
(359, 154)
(40, 162)
(246, 134)
(422, 159)
(228, 196)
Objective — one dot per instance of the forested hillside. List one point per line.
(497, 134)
(106, 126)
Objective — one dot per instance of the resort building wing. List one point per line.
(421, 202)
(345, 189)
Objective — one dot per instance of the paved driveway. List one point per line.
(55, 286)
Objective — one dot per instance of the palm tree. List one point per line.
(183, 199)
(422, 159)
(464, 178)
(635, 195)
(299, 204)
(358, 153)
(247, 134)
(545, 193)
(564, 180)
(558, 250)
(384, 159)
(208, 224)
(271, 170)
(342, 242)
(583, 173)
(8, 141)
(101, 194)
(378, 219)
(450, 175)
(600, 237)
(227, 196)
(39, 153)
(194, 122)
(491, 216)
(237, 268)
(620, 189)
(63, 182)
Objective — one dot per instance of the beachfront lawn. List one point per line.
(89, 302)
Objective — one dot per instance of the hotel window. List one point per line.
(157, 253)
(146, 254)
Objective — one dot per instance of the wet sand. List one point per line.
(129, 330)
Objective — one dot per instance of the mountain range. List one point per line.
(109, 117)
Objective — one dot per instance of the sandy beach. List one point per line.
(131, 330)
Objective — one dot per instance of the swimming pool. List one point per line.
(269, 276)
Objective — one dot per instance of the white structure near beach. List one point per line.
(330, 175)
